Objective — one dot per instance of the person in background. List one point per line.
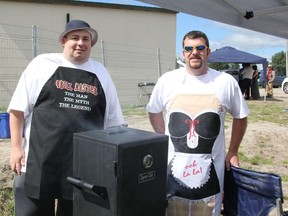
(58, 94)
(240, 77)
(195, 100)
(255, 87)
(270, 76)
(247, 74)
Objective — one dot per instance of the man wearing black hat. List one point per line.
(57, 95)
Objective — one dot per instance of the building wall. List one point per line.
(136, 44)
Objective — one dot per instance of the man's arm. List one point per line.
(157, 122)
(238, 130)
(17, 158)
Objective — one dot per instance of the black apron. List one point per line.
(71, 101)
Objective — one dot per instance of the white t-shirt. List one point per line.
(191, 98)
(38, 72)
(247, 72)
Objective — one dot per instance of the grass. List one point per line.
(6, 202)
(275, 113)
(255, 160)
(130, 111)
(3, 109)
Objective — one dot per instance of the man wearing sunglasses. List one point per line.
(196, 100)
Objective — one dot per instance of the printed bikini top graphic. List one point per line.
(193, 140)
(194, 123)
(187, 132)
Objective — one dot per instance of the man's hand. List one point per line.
(17, 159)
(231, 159)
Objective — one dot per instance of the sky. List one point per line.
(220, 34)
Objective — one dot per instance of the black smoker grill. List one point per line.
(119, 172)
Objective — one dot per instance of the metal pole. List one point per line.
(102, 52)
(286, 57)
(34, 38)
(159, 62)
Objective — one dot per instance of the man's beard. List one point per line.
(196, 65)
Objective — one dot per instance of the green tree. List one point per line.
(279, 63)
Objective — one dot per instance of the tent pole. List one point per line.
(286, 57)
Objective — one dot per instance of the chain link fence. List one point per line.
(129, 66)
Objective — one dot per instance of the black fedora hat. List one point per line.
(74, 25)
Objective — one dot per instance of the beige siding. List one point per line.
(130, 39)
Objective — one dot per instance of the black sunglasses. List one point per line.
(198, 48)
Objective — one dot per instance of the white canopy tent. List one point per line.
(270, 17)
